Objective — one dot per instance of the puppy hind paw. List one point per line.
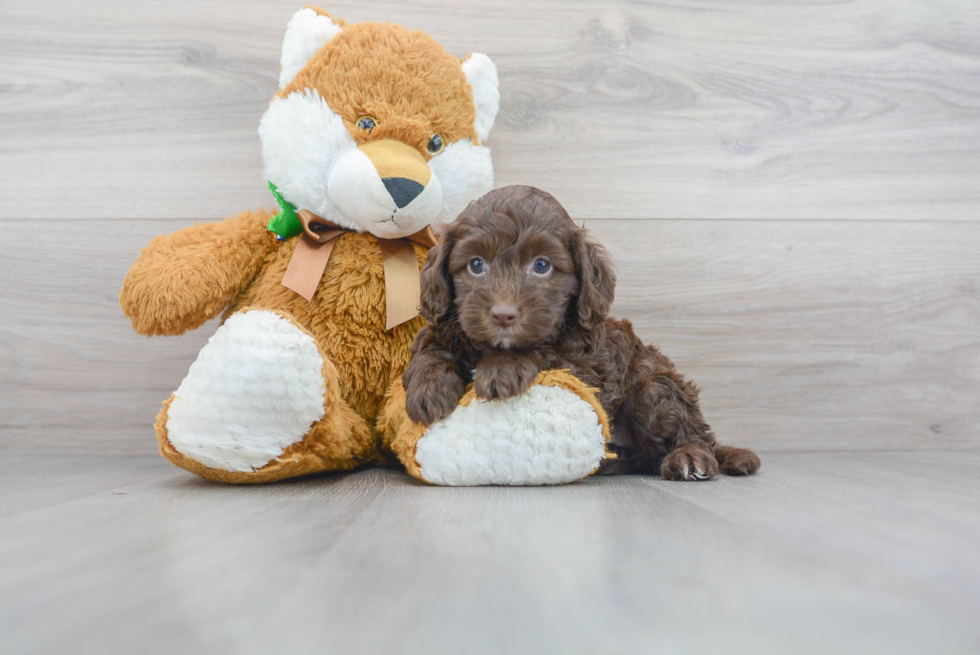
(737, 461)
(689, 463)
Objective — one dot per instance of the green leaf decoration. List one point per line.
(286, 223)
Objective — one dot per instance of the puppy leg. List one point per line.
(433, 390)
(504, 376)
(432, 382)
(666, 431)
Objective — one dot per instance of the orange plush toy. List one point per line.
(374, 136)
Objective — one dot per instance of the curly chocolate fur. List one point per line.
(561, 322)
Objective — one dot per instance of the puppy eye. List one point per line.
(435, 144)
(477, 267)
(541, 266)
(366, 123)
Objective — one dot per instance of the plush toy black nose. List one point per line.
(402, 190)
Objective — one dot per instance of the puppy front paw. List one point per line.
(501, 378)
(689, 462)
(433, 398)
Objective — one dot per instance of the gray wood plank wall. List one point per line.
(791, 192)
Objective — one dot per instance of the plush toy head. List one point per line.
(377, 128)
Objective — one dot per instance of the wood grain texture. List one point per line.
(705, 109)
(813, 335)
(819, 553)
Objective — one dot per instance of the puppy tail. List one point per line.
(736, 461)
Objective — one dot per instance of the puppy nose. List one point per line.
(402, 190)
(504, 315)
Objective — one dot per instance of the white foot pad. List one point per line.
(255, 388)
(546, 436)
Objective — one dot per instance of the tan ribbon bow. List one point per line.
(402, 289)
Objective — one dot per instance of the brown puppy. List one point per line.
(515, 288)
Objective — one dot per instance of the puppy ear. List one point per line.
(438, 292)
(596, 279)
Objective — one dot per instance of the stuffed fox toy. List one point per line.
(375, 136)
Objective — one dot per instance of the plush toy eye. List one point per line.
(477, 267)
(435, 144)
(366, 123)
(541, 266)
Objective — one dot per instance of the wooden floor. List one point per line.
(820, 553)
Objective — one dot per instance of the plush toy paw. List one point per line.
(260, 403)
(554, 433)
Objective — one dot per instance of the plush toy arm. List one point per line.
(185, 278)
(556, 432)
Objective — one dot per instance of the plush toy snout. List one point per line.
(401, 168)
(387, 187)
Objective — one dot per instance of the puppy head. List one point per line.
(515, 272)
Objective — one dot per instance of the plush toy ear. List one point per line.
(482, 76)
(308, 30)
